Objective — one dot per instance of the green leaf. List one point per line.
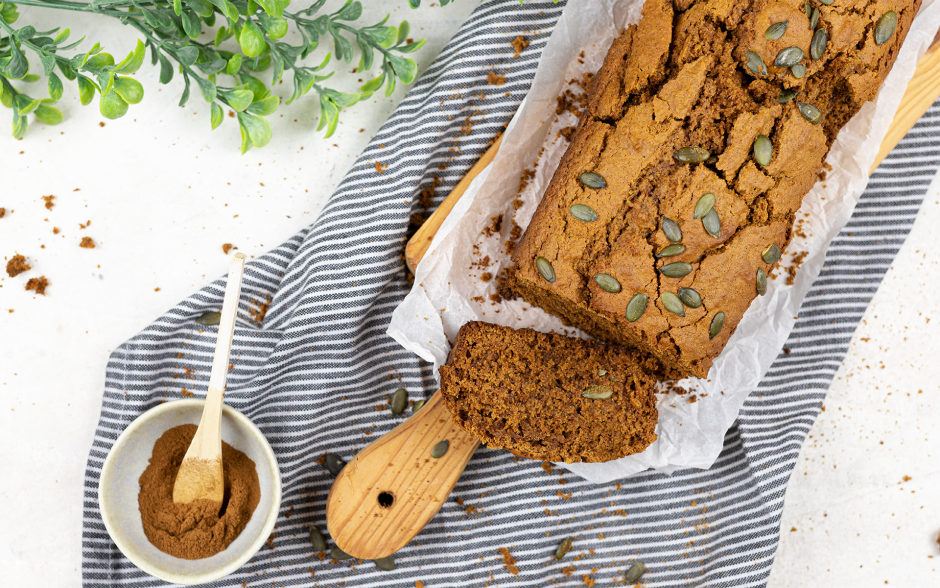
(226, 8)
(222, 34)
(414, 3)
(257, 129)
(216, 116)
(26, 33)
(8, 13)
(48, 63)
(24, 104)
(157, 19)
(6, 97)
(166, 70)
(188, 55)
(238, 100)
(366, 55)
(86, 90)
(17, 66)
(177, 7)
(383, 36)
(192, 26)
(20, 125)
(389, 80)
(405, 68)
(329, 116)
(185, 97)
(403, 29)
(62, 36)
(265, 107)
(54, 85)
(251, 40)
(31, 78)
(129, 89)
(71, 46)
(275, 26)
(341, 99)
(272, 7)
(352, 10)
(411, 47)
(49, 115)
(234, 64)
(99, 61)
(207, 88)
(201, 7)
(373, 84)
(134, 59)
(212, 67)
(257, 87)
(341, 46)
(112, 106)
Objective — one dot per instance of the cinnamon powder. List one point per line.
(199, 529)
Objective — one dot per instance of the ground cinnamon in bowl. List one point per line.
(196, 530)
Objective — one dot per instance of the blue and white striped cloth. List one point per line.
(311, 374)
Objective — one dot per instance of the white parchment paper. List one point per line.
(448, 289)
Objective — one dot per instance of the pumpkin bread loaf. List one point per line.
(707, 124)
(550, 397)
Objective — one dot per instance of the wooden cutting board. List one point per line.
(393, 487)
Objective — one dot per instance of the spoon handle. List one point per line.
(393, 487)
(207, 444)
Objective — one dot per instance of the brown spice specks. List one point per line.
(509, 562)
(49, 201)
(380, 167)
(87, 243)
(38, 284)
(494, 79)
(17, 265)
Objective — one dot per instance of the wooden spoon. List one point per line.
(393, 487)
(200, 474)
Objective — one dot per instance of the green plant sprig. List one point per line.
(171, 28)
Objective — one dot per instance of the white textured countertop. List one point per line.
(164, 194)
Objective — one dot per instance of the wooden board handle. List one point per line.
(393, 487)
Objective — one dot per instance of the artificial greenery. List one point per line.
(171, 29)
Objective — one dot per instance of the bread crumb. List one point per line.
(87, 243)
(17, 265)
(38, 284)
(226, 247)
(84, 226)
(509, 562)
(186, 393)
(55, 230)
(3, 212)
(518, 45)
(494, 79)
(380, 167)
(49, 203)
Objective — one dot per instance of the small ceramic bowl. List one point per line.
(118, 489)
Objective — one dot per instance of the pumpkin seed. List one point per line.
(673, 304)
(417, 405)
(786, 95)
(636, 307)
(583, 212)
(601, 372)
(634, 574)
(809, 112)
(678, 269)
(593, 180)
(763, 150)
(717, 323)
(334, 463)
(818, 45)
(771, 254)
(671, 230)
(690, 297)
(756, 64)
(598, 392)
(776, 30)
(827, 2)
(808, 9)
(692, 154)
(608, 283)
(399, 401)
(789, 56)
(704, 204)
(814, 19)
(671, 250)
(761, 282)
(545, 269)
(563, 547)
(386, 564)
(210, 318)
(440, 449)
(798, 70)
(317, 539)
(885, 26)
(712, 224)
(339, 555)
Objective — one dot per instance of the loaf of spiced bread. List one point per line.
(707, 124)
(548, 396)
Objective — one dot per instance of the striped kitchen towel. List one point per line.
(312, 363)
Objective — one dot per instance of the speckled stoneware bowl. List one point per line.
(118, 489)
